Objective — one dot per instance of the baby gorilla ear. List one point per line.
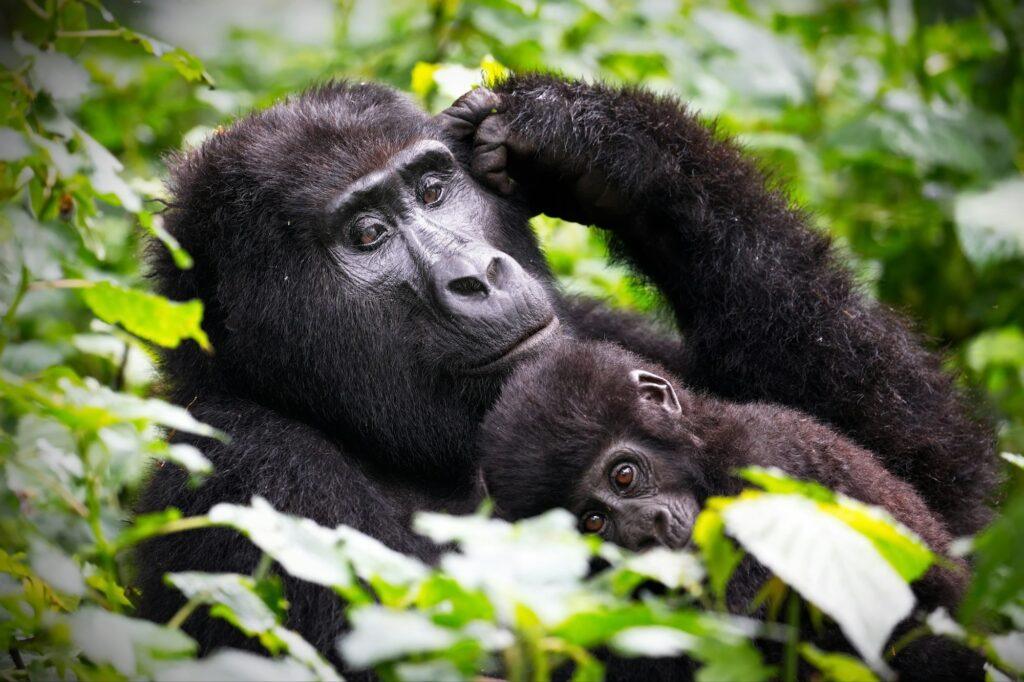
(652, 388)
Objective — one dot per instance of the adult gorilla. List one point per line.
(366, 292)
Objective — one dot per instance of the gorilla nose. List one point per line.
(468, 281)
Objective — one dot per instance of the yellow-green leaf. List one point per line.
(148, 316)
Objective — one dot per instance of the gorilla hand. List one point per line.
(547, 178)
(475, 121)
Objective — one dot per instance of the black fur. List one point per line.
(337, 413)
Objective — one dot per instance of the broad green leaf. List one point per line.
(372, 560)
(127, 407)
(13, 146)
(837, 667)
(230, 665)
(133, 647)
(186, 64)
(537, 563)
(900, 546)
(720, 555)
(991, 223)
(652, 641)
(302, 547)
(438, 670)
(379, 634)
(54, 72)
(151, 317)
(672, 568)
(55, 567)
(998, 579)
(827, 562)
(774, 480)
(232, 597)
(1003, 346)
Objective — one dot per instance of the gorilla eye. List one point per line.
(367, 235)
(593, 522)
(623, 475)
(432, 193)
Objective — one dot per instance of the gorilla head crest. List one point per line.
(350, 267)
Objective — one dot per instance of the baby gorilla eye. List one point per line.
(367, 235)
(593, 522)
(432, 192)
(623, 475)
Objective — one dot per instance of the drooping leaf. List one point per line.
(133, 647)
(151, 317)
(836, 667)
(827, 562)
(230, 665)
(302, 547)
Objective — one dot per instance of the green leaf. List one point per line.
(827, 562)
(185, 63)
(155, 226)
(230, 665)
(900, 546)
(302, 547)
(720, 555)
(652, 641)
(232, 596)
(774, 480)
(13, 146)
(380, 634)
(133, 647)
(146, 315)
(991, 223)
(837, 667)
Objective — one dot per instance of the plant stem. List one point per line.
(12, 310)
(179, 618)
(91, 33)
(792, 653)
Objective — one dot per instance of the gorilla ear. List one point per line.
(652, 388)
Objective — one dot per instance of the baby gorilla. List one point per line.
(599, 431)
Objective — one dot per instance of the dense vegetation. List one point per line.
(897, 123)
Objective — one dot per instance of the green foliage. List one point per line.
(897, 124)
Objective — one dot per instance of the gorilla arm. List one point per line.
(299, 472)
(768, 312)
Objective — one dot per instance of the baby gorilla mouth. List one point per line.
(534, 339)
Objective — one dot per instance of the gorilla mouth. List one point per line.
(526, 344)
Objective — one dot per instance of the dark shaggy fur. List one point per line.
(558, 414)
(335, 411)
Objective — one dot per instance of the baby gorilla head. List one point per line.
(602, 433)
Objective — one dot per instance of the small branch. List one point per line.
(37, 10)
(12, 310)
(121, 367)
(60, 284)
(91, 33)
(19, 662)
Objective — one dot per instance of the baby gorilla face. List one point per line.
(581, 427)
(636, 499)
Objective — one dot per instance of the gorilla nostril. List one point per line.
(467, 286)
(496, 272)
(647, 543)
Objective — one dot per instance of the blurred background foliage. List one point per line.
(896, 123)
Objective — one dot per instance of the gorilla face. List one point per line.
(420, 233)
(354, 275)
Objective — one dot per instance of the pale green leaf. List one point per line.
(827, 562)
(132, 646)
(302, 547)
(230, 665)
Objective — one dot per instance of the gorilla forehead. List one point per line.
(298, 154)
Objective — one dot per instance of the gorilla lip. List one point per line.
(523, 346)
